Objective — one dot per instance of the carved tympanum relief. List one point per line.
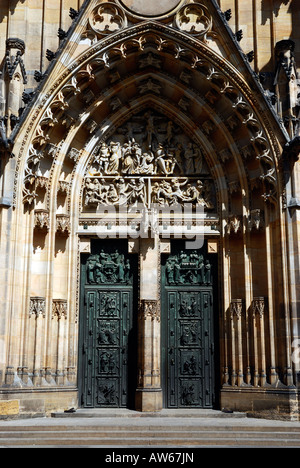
(148, 160)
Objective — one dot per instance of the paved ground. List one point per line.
(166, 417)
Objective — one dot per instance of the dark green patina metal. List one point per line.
(188, 328)
(108, 326)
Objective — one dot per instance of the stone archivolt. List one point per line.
(217, 78)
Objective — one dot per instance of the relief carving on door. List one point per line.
(108, 328)
(188, 268)
(188, 321)
(108, 268)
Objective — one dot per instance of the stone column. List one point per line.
(149, 391)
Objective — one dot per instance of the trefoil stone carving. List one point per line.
(194, 19)
(107, 18)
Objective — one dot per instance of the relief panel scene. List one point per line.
(149, 160)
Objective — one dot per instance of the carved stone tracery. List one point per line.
(107, 18)
(194, 19)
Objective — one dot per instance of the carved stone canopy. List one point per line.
(15, 43)
(15, 49)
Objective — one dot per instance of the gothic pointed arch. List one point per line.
(213, 94)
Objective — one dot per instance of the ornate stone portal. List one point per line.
(139, 111)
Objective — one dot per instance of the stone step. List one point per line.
(153, 442)
(123, 428)
(169, 413)
(150, 434)
(113, 435)
(150, 429)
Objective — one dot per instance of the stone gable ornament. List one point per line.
(107, 18)
(194, 19)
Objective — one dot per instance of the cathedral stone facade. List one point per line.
(149, 208)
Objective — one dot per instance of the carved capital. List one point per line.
(63, 186)
(149, 309)
(37, 306)
(234, 187)
(74, 154)
(256, 220)
(63, 223)
(42, 182)
(234, 224)
(59, 308)
(41, 219)
(236, 308)
(258, 306)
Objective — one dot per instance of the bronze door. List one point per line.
(188, 329)
(108, 327)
